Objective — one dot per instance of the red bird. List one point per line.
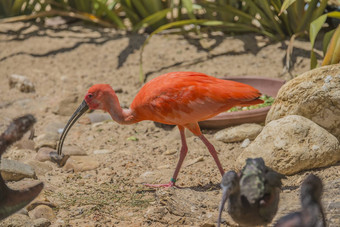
(177, 98)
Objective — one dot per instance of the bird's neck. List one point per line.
(118, 114)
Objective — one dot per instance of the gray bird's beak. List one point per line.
(77, 114)
(225, 196)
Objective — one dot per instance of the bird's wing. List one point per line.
(184, 95)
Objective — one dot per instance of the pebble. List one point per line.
(46, 140)
(238, 133)
(67, 105)
(194, 161)
(103, 151)
(22, 83)
(40, 168)
(12, 170)
(73, 150)
(81, 163)
(42, 211)
(96, 117)
(147, 176)
(43, 154)
(41, 222)
(245, 143)
(54, 127)
(170, 152)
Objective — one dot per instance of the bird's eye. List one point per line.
(90, 96)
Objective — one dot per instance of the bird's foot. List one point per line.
(168, 185)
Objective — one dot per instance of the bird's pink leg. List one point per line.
(213, 152)
(183, 153)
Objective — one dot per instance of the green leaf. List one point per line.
(313, 61)
(285, 5)
(151, 19)
(326, 39)
(188, 5)
(315, 27)
(334, 14)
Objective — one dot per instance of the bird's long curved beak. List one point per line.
(77, 114)
(225, 196)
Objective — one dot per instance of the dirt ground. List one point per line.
(69, 59)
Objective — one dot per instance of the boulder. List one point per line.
(314, 95)
(292, 144)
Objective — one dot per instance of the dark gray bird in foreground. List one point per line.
(253, 194)
(311, 214)
(13, 200)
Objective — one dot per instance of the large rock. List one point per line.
(314, 95)
(12, 170)
(238, 133)
(292, 144)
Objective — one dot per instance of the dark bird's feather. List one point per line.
(13, 200)
(253, 194)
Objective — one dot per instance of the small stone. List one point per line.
(12, 170)
(81, 163)
(41, 222)
(155, 213)
(118, 90)
(46, 140)
(239, 133)
(163, 167)
(22, 83)
(43, 154)
(147, 176)
(170, 152)
(25, 143)
(193, 161)
(96, 117)
(245, 143)
(42, 211)
(54, 127)
(207, 225)
(103, 151)
(67, 105)
(72, 150)
(40, 168)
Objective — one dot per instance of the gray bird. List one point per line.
(311, 214)
(13, 200)
(253, 194)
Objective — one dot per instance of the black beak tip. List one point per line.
(59, 159)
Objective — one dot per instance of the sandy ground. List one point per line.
(69, 59)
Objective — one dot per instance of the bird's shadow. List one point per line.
(203, 188)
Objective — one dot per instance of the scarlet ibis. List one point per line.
(312, 214)
(253, 194)
(13, 200)
(176, 98)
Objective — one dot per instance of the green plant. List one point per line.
(331, 40)
(10, 8)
